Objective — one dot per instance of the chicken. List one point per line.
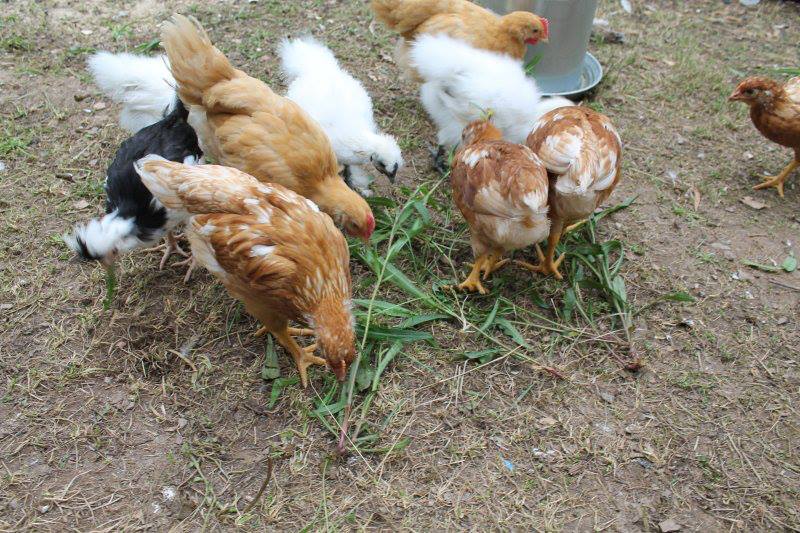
(462, 20)
(273, 250)
(245, 125)
(501, 189)
(143, 85)
(775, 112)
(133, 219)
(583, 155)
(462, 81)
(342, 107)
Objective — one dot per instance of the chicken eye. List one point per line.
(748, 91)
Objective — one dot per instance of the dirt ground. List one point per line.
(154, 414)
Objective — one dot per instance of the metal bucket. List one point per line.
(561, 60)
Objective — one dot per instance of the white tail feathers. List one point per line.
(303, 55)
(142, 84)
(103, 239)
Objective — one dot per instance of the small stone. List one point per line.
(782, 320)
(99, 105)
(669, 526)
(87, 32)
(607, 397)
(546, 422)
(2, 166)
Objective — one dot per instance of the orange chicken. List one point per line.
(242, 123)
(775, 112)
(583, 155)
(273, 250)
(501, 189)
(459, 19)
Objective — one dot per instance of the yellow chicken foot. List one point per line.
(777, 181)
(547, 265)
(473, 281)
(292, 331)
(303, 357)
(573, 227)
(492, 264)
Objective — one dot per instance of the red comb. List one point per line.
(370, 226)
(546, 25)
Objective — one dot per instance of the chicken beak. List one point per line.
(736, 96)
(392, 175)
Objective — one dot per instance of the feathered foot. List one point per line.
(778, 181)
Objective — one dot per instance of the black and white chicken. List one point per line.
(134, 218)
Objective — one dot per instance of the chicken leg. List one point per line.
(169, 247)
(485, 264)
(301, 332)
(473, 281)
(777, 181)
(303, 357)
(547, 264)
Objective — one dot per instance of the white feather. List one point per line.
(105, 236)
(338, 102)
(462, 82)
(143, 85)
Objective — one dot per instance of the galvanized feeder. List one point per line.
(563, 66)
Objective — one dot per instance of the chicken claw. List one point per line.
(546, 266)
(170, 246)
(778, 181)
(304, 359)
(473, 281)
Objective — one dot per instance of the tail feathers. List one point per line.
(404, 16)
(143, 85)
(303, 55)
(103, 239)
(196, 64)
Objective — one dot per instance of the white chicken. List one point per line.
(462, 82)
(341, 105)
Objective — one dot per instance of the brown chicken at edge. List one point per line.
(501, 189)
(249, 127)
(273, 250)
(583, 155)
(775, 112)
(460, 19)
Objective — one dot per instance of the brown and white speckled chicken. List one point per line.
(583, 154)
(501, 189)
(273, 249)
